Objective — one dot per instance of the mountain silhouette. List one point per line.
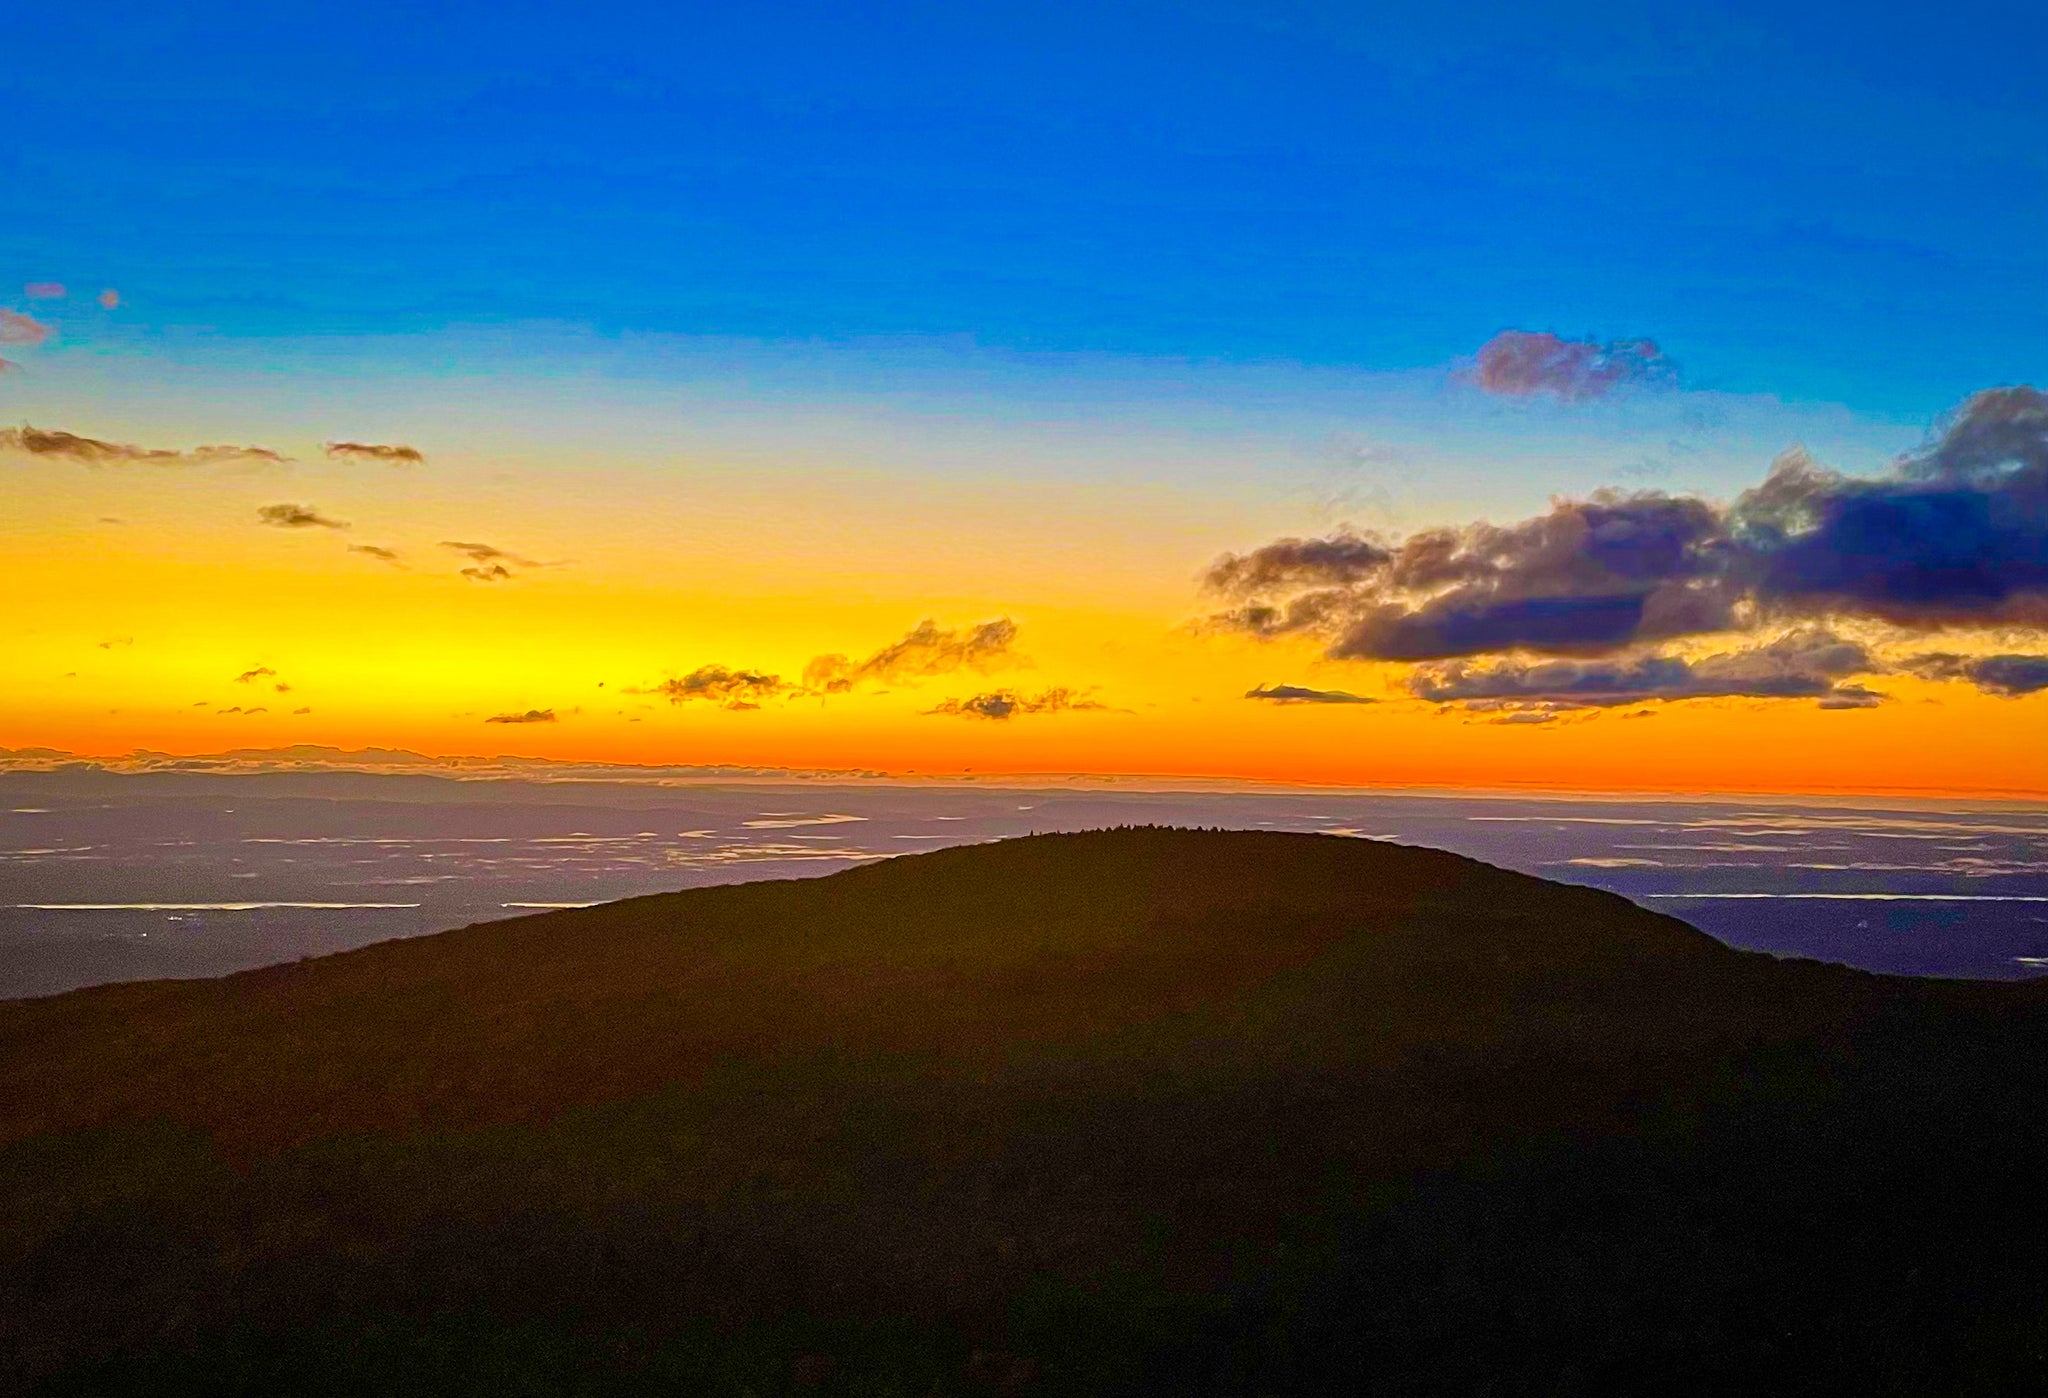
(1131, 1111)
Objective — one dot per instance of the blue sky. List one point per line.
(1842, 205)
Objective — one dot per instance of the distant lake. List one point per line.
(109, 876)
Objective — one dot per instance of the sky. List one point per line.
(1521, 396)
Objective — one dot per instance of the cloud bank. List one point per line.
(1954, 535)
(2009, 676)
(1809, 663)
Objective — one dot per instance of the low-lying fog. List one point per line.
(109, 876)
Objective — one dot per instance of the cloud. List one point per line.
(733, 689)
(1008, 703)
(1590, 574)
(373, 551)
(489, 564)
(19, 329)
(251, 676)
(91, 451)
(288, 516)
(1299, 694)
(530, 716)
(927, 650)
(1808, 663)
(1525, 363)
(1955, 534)
(1344, 557)
(2009, 676)
(44, 291)
(373, 451)
(8, 366)
(109, 298)
(485, 553)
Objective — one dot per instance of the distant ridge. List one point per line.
(1232, 1112)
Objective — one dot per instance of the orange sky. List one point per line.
(132, 635)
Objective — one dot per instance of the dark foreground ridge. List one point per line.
(1145, 1111)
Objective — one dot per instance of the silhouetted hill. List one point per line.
(1139, 1110)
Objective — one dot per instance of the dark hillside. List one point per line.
(1140, 1110)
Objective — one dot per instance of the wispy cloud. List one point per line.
(718, 684)
(1525, 363)
(373, 551)
(529, 716)
(44, 291)
(391, 453)
(927, 650)
(261, 672)
(19, 329)
(287, 516)
(1009, 703)
(1301, 694)
(92, 451)
(489, 564)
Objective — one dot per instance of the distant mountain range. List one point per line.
(1140, 1110)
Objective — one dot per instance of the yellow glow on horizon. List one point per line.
(131, 635)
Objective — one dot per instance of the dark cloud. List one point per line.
(19, 329)
(91, 451)
(2009, 675)
(373, 451)
(1808, 663)
(927, 650)
(1299, 694)
(490, 573)
(288, 516)
(1589, 575)
(1344, 557)
(1524, 363)
(261, 672)
(530, 716)
(1956, 534)
(373, 551)
(733, 689)
(1008, 703)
